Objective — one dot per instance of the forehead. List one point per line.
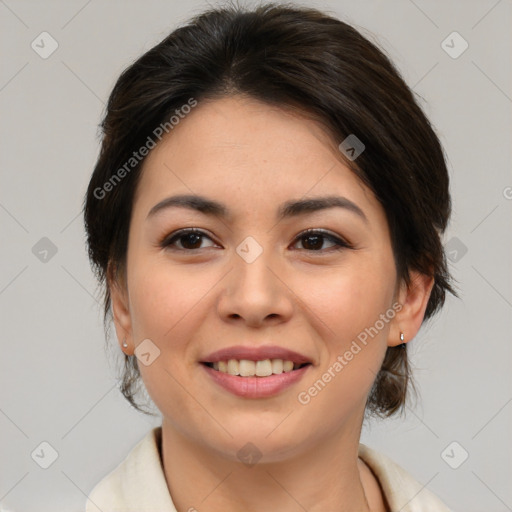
(247, 152)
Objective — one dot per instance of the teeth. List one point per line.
(264, 368)
(287, 366)
(246, 368)
(277, 366)
(232, 367)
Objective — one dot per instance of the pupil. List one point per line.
(191, 239)
(317, 243)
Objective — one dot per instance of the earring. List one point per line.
(402, 337)
(125, 345)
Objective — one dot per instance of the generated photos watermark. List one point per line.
(138, 156)
(304, 397)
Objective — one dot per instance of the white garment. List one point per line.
(138, 483)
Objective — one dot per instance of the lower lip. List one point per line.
(256, 387)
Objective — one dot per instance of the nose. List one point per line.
(255, 293)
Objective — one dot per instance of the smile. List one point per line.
(251, 371)
(262, 368)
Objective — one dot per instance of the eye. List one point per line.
(313, 240)
(190, 239)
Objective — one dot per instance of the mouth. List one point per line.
(256, 372)
(259, 368)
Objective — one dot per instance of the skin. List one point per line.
(189, 302)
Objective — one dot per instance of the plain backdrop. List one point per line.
(58, 382)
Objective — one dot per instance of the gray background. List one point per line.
(58, 381)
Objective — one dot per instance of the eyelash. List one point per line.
(340, 244)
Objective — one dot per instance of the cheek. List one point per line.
(338, 390)
(162, 298)
(168, 304)
(350, 300)
(355, 305)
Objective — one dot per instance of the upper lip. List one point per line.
(256, 354)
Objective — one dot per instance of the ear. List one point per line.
(414, 299)
(121, 312)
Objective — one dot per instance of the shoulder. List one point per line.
(401, 490)
(136, 483)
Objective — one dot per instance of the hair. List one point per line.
(295, 58)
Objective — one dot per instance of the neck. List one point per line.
(326, 477)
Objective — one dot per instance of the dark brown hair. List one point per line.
(290, 57)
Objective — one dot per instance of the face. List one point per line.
(255, 284)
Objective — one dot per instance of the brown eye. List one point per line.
(189, 239)
(313, 240)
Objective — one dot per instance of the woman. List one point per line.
(265, 215)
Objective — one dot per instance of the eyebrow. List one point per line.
(286, 210)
